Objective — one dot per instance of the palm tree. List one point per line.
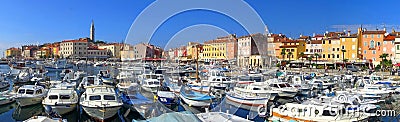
(343, 51)
(384, 60)
(283, 53)
(310, 57)
(290, 55)
(316, 59)
(301, 55)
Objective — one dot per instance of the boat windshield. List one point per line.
(21, 91)
(376, 78)
(109, 97)
(96, 97)
(65, 97)
(154, 83)
(29, 91)
(52, 97)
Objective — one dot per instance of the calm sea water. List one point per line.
(12, 112)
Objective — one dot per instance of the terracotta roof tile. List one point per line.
(374, 32)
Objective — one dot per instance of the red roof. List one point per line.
(374, 32)
(389, 38)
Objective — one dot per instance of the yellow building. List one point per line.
(293, 46)
(331, 49)
(191, 52)
(350, 44)
(13, 52)
(214, 50)
(43, 53)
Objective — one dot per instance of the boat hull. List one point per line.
(27, 101)
(248, 104)
(62, 109)
(287, 93)
(7, 101)
(101, 113)
(202, 103)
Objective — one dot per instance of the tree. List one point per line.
(316, 59)
(309, 58)
(384, 63)
(283, 53)
(290, 55)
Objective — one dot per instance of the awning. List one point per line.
(153, 59)
(397, 65)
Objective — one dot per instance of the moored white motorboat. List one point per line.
(30, 95)
(251, 96)
(100, 102)
(6, 98)
(150, 85)
(166, 96)
(284, 88)
(196, 99)
(61, 99)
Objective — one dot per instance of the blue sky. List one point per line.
(31, 22)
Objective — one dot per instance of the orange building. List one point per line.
(388, 46)
(371, 44)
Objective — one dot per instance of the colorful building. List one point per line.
(13, 52)
(44, 52)
(371, 44)
(215, 50)
(293, 46)
(349, 43)
(389, 46)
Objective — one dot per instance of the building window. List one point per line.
(337, 49)
(323, 55)
(372, 36)
(372, 44)
(378, 43)
(353, 55)
(374, 59)
(365, 36)
(379, 35)
(337, 55)
(384, 42)
(398, 47)
(306, 50)
(333, 49)
(323, 42)
(343, 47)
(384, 49)
(373, 52)
(329, 41)
(329, 56)
(365, 43)
(353, 47)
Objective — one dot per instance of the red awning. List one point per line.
(397, 65)
(153, 59)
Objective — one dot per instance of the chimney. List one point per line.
(301, 35)
(313, 34)
(348, 33)
(384, 29)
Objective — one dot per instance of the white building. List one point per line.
(74, 48)
(254, 44)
